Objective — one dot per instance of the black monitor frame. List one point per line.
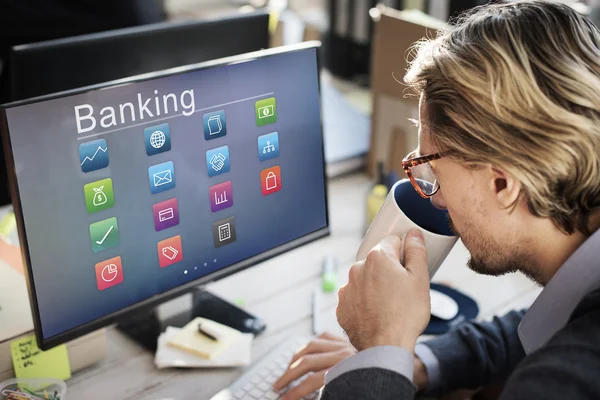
(137, 50)
(155, 300)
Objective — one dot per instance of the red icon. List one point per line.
(109, 273)
(169, 251)
(270, 180)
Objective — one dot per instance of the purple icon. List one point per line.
(221, 196)
(166, 214)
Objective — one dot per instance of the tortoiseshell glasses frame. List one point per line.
(410, 161)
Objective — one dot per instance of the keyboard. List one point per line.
(257, 382)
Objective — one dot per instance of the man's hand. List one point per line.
(385, 303)
(321, 354)
(420, 377)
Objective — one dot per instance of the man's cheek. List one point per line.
(451, 224)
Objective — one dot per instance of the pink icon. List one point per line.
(169, 251)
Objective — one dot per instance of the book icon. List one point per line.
(214, 124)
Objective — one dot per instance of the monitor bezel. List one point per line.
(155, 300)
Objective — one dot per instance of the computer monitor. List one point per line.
(63, 64)
(130, 193)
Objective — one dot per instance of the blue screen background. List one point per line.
(46, 152)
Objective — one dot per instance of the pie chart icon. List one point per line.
(110, 272)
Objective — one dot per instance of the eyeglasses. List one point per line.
(421, 173)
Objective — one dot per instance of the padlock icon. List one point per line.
(271, 181)
(99, 196)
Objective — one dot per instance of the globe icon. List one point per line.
(157, 139)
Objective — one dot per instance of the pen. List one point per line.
(315, 312)
(207, 332)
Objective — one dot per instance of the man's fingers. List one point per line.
(306, 364)
(311, 384)
(390, 244)
(319, 345)
(331, 336)
(415, 254)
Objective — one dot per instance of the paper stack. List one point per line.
(187, 348)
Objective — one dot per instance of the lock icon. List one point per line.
(271, 181)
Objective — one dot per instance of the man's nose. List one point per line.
(438, 200)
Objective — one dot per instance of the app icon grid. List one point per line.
(99, 195)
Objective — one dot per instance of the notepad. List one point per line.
(239, 354)
(31, 362)
(190, 340)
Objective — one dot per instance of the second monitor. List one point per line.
(63, 64)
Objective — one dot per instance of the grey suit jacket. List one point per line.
(566, 367)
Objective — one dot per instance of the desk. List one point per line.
(279, 290)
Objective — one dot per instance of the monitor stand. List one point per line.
(145, 327)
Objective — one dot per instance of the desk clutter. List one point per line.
(33, 389)
(203, 343)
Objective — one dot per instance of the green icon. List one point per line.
(104, 234)
(266, 111)
(99, 195)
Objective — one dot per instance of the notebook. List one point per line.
(190, 340)
(239, 354)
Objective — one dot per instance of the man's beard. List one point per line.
(485, 260)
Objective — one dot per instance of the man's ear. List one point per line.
(505, 187)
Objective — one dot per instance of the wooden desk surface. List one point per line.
(279, 290)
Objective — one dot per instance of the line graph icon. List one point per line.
(93, 155)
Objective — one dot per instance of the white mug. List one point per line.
(403, 210)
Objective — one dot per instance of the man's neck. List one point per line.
(552, 248)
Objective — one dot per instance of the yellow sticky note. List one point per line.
(8, 224)
(273, 21)
(31, 362)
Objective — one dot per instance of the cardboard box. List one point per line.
(392, 134)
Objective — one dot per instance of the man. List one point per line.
(510, 122)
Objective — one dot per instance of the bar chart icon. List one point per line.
(221, 196)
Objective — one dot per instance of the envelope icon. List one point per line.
(163, 177)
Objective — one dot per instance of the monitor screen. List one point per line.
(132, 191)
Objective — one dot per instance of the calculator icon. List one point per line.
(224, 231)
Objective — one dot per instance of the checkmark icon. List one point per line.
(107, 233)
(104, 234)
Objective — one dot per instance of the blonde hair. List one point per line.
(517, 85)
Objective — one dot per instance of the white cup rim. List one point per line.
(424, 230)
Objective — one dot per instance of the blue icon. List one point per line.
(162, 177)
(157, 138)
(268, 146)
(217, 160)
(214, 124)
(93, 155)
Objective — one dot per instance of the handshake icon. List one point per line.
(217, 161)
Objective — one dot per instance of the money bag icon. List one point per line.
(99, 196)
